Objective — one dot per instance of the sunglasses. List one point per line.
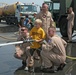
(23, 29)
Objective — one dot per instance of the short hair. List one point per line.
(38, 21)
(24, 28)
(45, 5)
(34, 14)
(52, 26)
(21, 18)
(70, 8)
(26, 16)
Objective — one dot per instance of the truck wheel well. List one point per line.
(63, 26)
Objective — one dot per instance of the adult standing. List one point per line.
(46, 17)
(21, 23)
(70, 19)
(34, 18)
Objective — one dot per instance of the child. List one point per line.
(38, 34)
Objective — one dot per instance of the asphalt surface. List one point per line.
(12, 66)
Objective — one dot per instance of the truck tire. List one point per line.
(63, 26)
(0, 20)
(8, 20)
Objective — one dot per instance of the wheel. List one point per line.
(0, 20)
(63, 26)
(8, 20)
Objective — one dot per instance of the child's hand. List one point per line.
(37, 40)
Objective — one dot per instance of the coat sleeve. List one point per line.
(64, 42)
(48, 46)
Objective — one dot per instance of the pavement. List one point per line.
(9, 65)
(5, 28)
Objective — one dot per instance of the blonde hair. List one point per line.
(38, 21)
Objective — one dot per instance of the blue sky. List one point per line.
(39, 2)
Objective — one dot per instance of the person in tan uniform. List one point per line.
(70, 19)
(53, 51)
(21, 52)
(45, 16)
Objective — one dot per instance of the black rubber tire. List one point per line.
(63, 26)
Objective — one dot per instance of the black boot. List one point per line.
(31, 69)
(61, 66)
(48, 70)
(24, 63)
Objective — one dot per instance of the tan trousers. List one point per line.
(49, 58)
(22, 53)
(69, 32)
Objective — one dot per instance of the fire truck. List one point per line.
(13, 12)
